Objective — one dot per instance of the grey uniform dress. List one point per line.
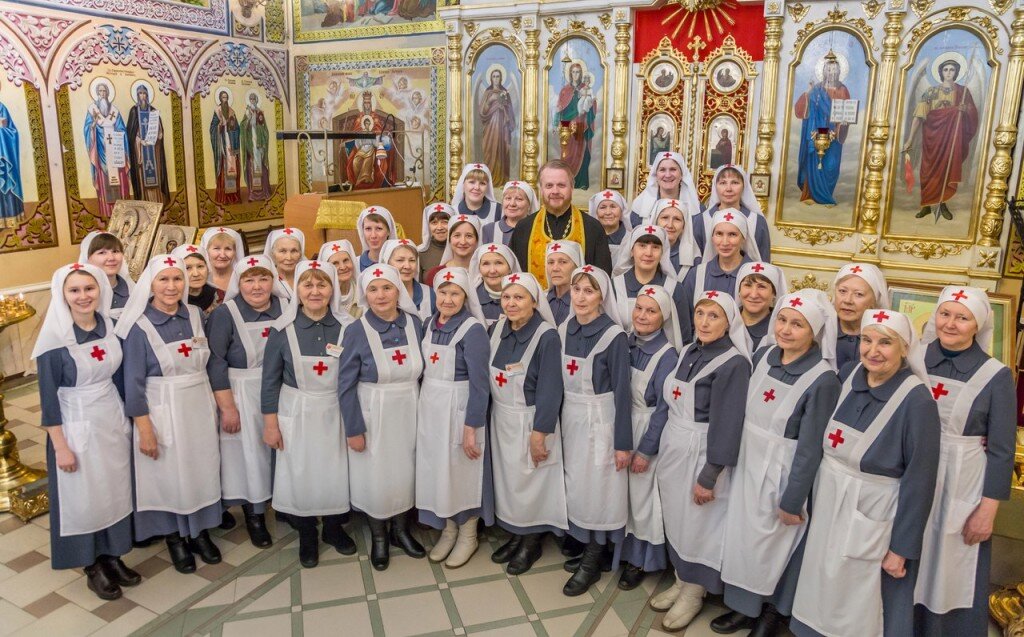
(759, 330)
(490, 306)
(560, 305)
(847, 348)
(497, 232)
(715, 278)
(121, 293)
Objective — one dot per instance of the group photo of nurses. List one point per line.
(807, 460)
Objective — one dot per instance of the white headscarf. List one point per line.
(899, 323)
(290, 311)
(687, 244)
(618, 200)
(58, 328)
(429, 211)
(472, 220)
(474, 264)
(747, 199)
(736, 218)
(375, 210)
(737, 332)
(391, 245)
(331, 248)
(143, 291)
(460, 188)
(815, 307)
(669, 315)
(83, 257)
(871, 275)
(772, 272)
(204, 242)
(976, 301)
(460, 277)
(290, 233)
(190, 250)
(390, 274)
(609, 305)
(643, 205)
(248, 263)
(531, 195)
(530, 284)
(625, 261)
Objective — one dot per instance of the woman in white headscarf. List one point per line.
(88, 441)
(758, 285)
(857, 287)
(561, 259)
(517, 200)
(793, 392)
(669, 178)
(224, 248)
(491, 263)
(976, 400)
(474, 194)
(286, 247)
(679, 227)
(435, 235)
(610, 208)
(644, 261)
(732, 190)
(201, 293)
(695, 432)
(873, 491)
(168, 395)
(106, 252)
(375, 225)
(402, 255)
(343, 257)
(463, 238)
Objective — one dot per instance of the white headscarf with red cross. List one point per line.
(529, 283)
(817, 310)
(737, 332)
(139, 298)
(58, 328)
(977, 303)
(900, 324)
(735, 218)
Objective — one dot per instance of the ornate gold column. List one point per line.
(878, 133)
(766, 123)
(1005, 138)
(619, 127)
(531, 77)
(454, 106)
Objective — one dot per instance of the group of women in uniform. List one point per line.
(811, 460)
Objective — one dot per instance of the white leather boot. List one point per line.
(664, 600)
(465, 545)
(691, 600)
(445, 543)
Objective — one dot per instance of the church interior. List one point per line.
(157, 120)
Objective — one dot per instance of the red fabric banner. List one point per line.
(747, 29)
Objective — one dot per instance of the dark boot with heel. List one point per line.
(588, 573)
(403, 539)
(380, 551)
(256, 525)
(181, 556)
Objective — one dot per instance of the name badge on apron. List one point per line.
(199, 342)
(334, 350)
(515, 368)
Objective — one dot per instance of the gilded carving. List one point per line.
(868, 245)
(808, 281)
(835, 16)
(517, 23)
(620, 128)
(575, 27)
(815, 236)
(766, 124)
(921, 7)
(1000, 6)
(871, 8)
(798, 11)
(667, 107)
(606, 20)
(470, 28)
(987, 258)
(531, 123)
(924, 249)
(455, 104)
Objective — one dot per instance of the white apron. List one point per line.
(383, 476)
(757, 545)
(946, 577)
(186, 476)
(244, 458)
(695, 532)
(99, 493)
(447, 482)
(524, 495)
(597, 494)
(645, 518)
(840, 588)
(626, 304)
(311, 472)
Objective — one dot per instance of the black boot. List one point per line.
(632, 576)
(401, 538)
(529, 551)
(771, 623)
(587, 574)
(505, 552)
(571, 565)
(923, 212)
(571, 547)
(732, 622)
(184, 561)
(335, 535)
(256, 525)
(204, 546)
(227, 521)
(380, 555)
(309, 544)
(118, 572)
(100, 583)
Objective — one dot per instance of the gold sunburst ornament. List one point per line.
(691, 14)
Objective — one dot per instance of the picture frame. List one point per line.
(615, 178)
(134, 222)
(727, 76)
(919, 302)
(170, 236)
(664, 77)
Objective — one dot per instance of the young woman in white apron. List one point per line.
(238, 332)
(609, 208)
(403, 256)
(596, 422)
(732, 189)
(653, 354)
(560, 260)
(683, 252)
(452, 473)
(89, 443)
(302, 422)
(695, 432)
(286, 248)
(976, 398)
(375, 226)
(463, 239)
(873, 491)
(381, 364)
(167, 393)
(343, 257)
(857, 287)
(474, 194)
(669, 178)
(526, 444)
(644, 262)
(225, 248)
(758, 286)
(792, 395)
(491, 263)
(106, 252)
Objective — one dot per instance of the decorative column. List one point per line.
(531, 79)
(766, 123)
(619, 124)
(878, 132)
(1005, 138)
(454, 106)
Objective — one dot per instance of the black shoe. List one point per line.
(945, 212)
(309, 547)
(771, 623)
(256, 525)
(401, 538)
(101, 583)
(184, 561)
(632, 576)
(571, 547)
(573, 564)
(588, 573)
(924, 212)
(505, 552)
(732, 622)
(380, 552)
(204, 546)
(117, 571)
(227, 521)
(529, 551)
(342, 542)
